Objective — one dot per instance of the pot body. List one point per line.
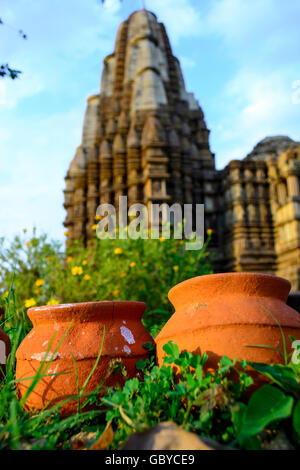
(4, 352)
(222, 314)
(118, 324)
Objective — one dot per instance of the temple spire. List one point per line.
(142, 134)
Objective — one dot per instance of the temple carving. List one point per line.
(145, 136)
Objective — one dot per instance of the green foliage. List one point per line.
(142, 270)
(211, 403)
(284, 376)
(266, 405)
(197, 399)
(296, 419)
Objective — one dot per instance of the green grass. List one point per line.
(141, 270)
(209, 403)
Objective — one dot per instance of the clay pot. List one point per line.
(124, 338)
(223, 313)
(4, 352)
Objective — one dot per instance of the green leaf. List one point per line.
(225, 364)
(140, 364)
(195, 361)
(266, 405)
(296, 419)
(238, 416)
(171, 349)
(284, 376)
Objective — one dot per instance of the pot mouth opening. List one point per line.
(240, 283)
(86, 310)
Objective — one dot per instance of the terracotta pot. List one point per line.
(223, 313)
(124, 338)
(4, 352)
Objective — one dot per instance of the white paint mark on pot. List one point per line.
(43, 356)
(127, 349)
(54, 371)
(45, 342)
(127, 334)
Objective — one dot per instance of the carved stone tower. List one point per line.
(144, 135)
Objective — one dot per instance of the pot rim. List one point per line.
(240, 283)
(85, 311)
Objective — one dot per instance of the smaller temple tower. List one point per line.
(261, 226)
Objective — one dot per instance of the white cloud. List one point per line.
(244, 26)
(187, 62)
(31, 187)
(262, 38)
(11, 92)
(41, 113)
(181, 17)
(70, 43)
(258, 105)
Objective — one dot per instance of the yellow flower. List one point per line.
(28, 243)
(118, 251)
(24, 230)
(86, 277)
(48, 258)
(69, 259)
(39, 282)
(30, 303)
(53, 302)
(116, 293)
(66, 233)
(5, 295)
(162, 239)
(123, 275)
(209, 231)
(132, 264)
(77, 270)
(97, 217)
(176, 268)
(94, 226)
(37, 291)
(84, 262)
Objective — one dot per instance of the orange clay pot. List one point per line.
(221, 314)
(4, 352)
(124, 338)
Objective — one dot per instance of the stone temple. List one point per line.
(145, 136)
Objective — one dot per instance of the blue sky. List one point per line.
(239, 57)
